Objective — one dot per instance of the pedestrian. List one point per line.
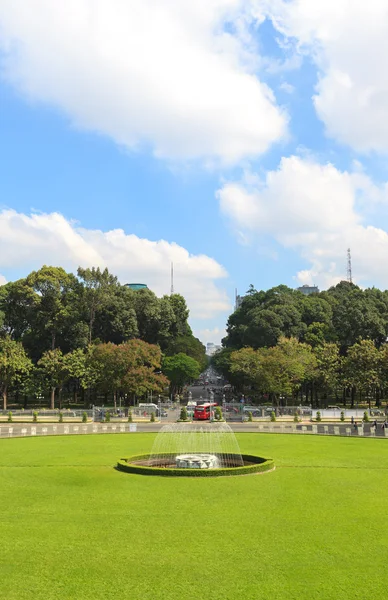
(355, 425)
(375, 424)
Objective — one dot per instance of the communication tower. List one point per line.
(349, 267)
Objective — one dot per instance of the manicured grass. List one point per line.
(72, 527)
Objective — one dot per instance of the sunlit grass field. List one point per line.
(74, 527)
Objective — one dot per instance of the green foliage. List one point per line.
(180, 369)
(279, 370)
(318, 416)
(218, 413)
(296, 417)
(132, 367)
(273, 417)
(343, 314)
(107, 416)
(152, 417)
(35, 417)
(60, 417)
(183, 415)
(365, 417)
(190, 346)
(84, 417)
(14, 365)
(130, 418)
(342, 416)
(250, 416)
(10, 418)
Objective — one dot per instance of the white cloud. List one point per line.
(29, 241)
(317, 211)
(2, 280)
(163, 73)
(287, 87)
(348, 41)
(214, 335)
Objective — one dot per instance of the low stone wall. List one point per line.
(38, 429)
(11, 430)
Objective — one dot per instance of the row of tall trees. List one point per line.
(90, 334)
(315, 372)
(131, 368)
(51, 308)
(331, 344)
(343, 314)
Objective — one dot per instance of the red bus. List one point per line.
(202, 412)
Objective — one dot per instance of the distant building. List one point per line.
(212, 348)
(308, 289)
(136, 286)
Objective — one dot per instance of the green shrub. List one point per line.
(10, 419)
(218, 413)
(84, 417)
(296, 418)
(342, 416)
(129, 416)
(34, 417)
(273, 417)
(318, 416)
(250, 417)
(60, 417)
(107, 417)
(365, 418)
(152, 417)
(183, 415)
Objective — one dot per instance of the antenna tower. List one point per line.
(349, 267)
(172, 278)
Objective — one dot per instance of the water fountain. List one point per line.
(187, 449)
(196, 446)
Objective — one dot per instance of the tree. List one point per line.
(329, 363)
(97, 286)
(180, 369)
(361, 367)
(53, 371)
(74, 364)
(279, 370)
(14, 365)
(133, 368)
(191, 346)
(51, 285)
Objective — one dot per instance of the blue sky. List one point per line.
(244, 141)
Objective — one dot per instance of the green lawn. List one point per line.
(74, 527)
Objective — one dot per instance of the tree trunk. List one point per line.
(53, 340)
(52, 404)
(353, 396)
(5, 397)
(60, 398)
(115, 400)
(91, 321)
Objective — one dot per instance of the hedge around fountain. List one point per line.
(258, 465)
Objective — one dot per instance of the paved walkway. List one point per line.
(10, 430)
